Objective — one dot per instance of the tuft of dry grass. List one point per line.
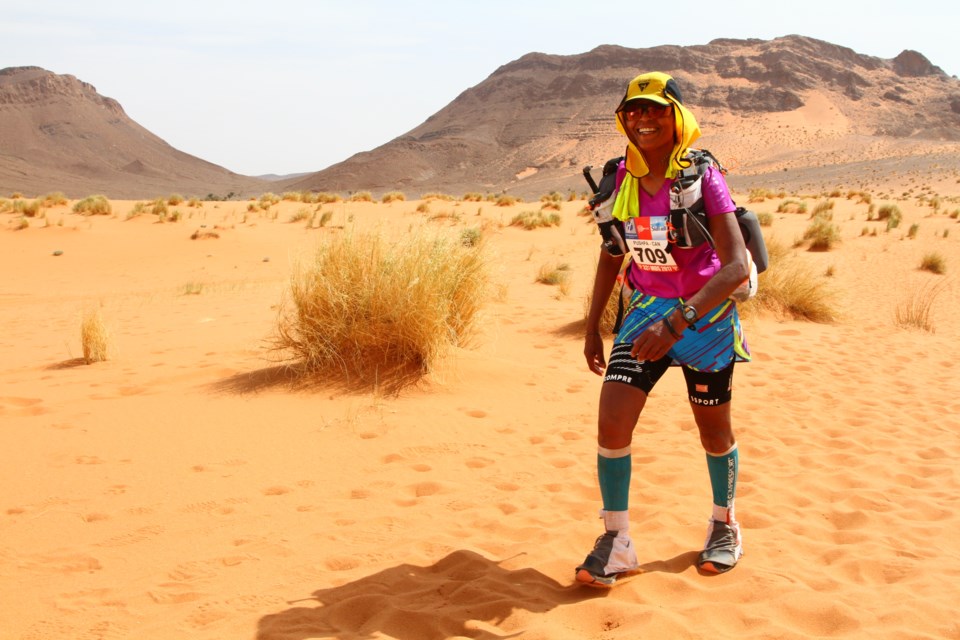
(393, 196)
(791, 288)
(792, 206)
(915, 311)
(94, 337)
(822, 233)
(371, 310)
(54, 199)
(32, 209)
(555, 275)
(934, 262)
(361, 196)
(535, 219)
(93, 206)
(300, 215)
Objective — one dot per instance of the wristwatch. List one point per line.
(689, 313)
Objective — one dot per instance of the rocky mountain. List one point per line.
(58, 134)
(790, 111)
(773, 109)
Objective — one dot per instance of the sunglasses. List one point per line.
(644, 107)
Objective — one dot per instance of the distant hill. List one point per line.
(793, 111)
(58, 134)
(534, 123)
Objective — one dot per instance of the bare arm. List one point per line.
(608, 267)
(733, 260)
(655, 342)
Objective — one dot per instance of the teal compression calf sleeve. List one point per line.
(613, 470)
(723, 468)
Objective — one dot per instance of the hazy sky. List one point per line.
(292, 86)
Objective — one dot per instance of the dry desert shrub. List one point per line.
(934, 262)
(54, 199)
(791, 288)
(369, 309)
(822, 208)
(437, 196)
(555, 275)
(915, 311)
(393, 196)
(94, 338)
(300, 215)
(327, 198)
(159, 208)
(552, 200)
(891, 213)
(268, 199)
(822, 233)
(535, 219)
(471, 236)
(361, 196)
(32, 209)
(758, 195)
(93, 206)
(792, 206)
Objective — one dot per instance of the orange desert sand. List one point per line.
(184, 489)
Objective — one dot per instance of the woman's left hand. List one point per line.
(653, 343)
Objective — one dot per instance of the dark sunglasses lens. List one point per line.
(652, 108)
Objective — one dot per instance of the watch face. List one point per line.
(689, 314)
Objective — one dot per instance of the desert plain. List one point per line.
(186, 488)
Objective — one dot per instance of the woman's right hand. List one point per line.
(593, 352)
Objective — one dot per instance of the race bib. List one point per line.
(648, 244)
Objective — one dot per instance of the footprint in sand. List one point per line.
(341, 564)
(424, 489)
(95, 517)
(62, 563)
(478, 463)
(24, 406)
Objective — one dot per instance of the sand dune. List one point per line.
(186, 489)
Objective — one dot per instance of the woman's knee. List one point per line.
(716, 428)
(620, 407)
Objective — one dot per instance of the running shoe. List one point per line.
(613, 554)
(722, 549)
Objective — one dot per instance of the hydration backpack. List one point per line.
(688, 220)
